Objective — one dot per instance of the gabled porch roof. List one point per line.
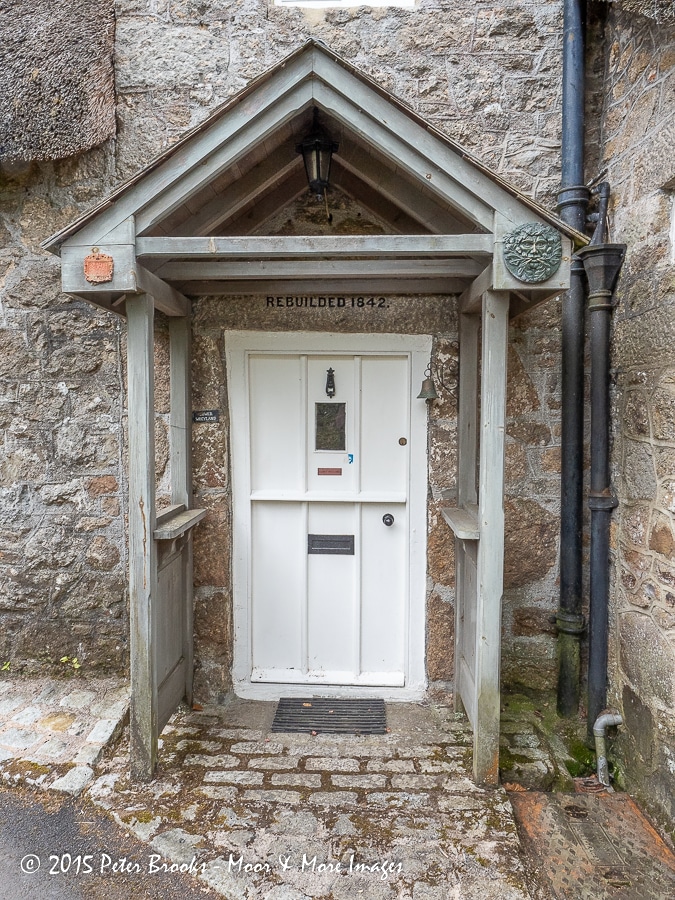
(193, 221)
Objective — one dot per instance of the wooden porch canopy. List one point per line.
(193, 223)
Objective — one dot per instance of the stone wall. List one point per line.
(487, 74)
(532, 503)
(62, 548)
(638, 131)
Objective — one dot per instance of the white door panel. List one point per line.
(384, 422)
(345, 406)
(332, 601)
(384, 595)
(278, 579)
(277, 424)
(323, 584)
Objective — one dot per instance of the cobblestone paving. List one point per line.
(295, 816)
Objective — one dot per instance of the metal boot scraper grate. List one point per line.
(326, 716)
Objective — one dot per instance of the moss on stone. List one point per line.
(582, 762)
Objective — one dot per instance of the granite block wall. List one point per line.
(638, 134)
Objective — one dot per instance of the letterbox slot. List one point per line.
(336, 544)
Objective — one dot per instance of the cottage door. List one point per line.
(328, 597)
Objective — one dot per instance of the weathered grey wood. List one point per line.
(180, 423)
(124, 269)
(521, 301)
(206, 269)
(260, 180)
(395, 218)
(167, 299)
(471, 300)
(311, 77)
(464, 522)
(142, 548)
(524, 300)
(180, 429)
(465, 565)
(251, 219)
(397, 186)
(173, 691)
(357, 285)
(407, 155)
(490, 570)
(109, 302)
(467, 426)
(169, 625)
(178, 524)
(194, 148)
(325, 246)
(168, 513)
(170, 662)
(259, 127)
(124, 233)
(454, 161)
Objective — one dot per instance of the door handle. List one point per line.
(388, 519)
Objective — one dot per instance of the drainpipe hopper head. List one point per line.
(602, 264)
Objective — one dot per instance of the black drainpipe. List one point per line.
(602, 263)
(572, 203)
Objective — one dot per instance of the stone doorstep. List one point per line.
(50, 725)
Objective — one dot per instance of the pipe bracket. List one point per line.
(569, 623)
(602, 501)
(573, 195)
(601, 300)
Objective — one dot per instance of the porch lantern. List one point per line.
(317, 151)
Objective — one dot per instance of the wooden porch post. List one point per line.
(142, 547)
(495, 321)
(465, 558)
(181, 466)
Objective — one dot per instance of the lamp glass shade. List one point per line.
(317, 151)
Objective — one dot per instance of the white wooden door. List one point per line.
(327, 479)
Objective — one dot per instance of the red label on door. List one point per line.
(329, 471)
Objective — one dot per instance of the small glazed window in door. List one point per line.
(331, 421)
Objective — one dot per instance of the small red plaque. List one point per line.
(98, 267)
(329, 471)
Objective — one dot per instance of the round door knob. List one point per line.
(388, 519)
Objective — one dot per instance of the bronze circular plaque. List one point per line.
(533, 252)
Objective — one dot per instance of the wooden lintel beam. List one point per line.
(253, 269)
(326, 287)
(328, 246)
(167, 298)
(470, 302)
